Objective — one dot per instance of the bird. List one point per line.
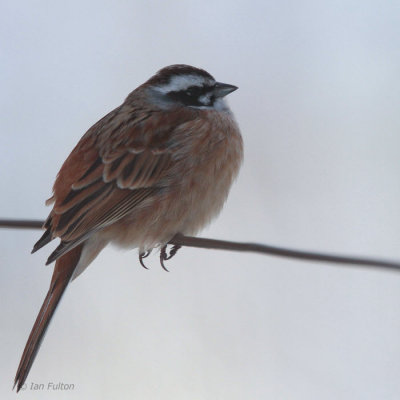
(159, 165)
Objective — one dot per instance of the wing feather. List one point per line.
(117, 164)
(90, 176)
(98, 221)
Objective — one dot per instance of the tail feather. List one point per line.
(46, 238)
(62, 274)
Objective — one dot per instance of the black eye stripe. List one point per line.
(197, 90)
(191, 95)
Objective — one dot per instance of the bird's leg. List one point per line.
(142, 255)
(164, 255)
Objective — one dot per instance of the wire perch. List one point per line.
(188, 241)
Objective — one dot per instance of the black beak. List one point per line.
(222, 89)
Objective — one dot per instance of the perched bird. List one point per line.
(160, 164)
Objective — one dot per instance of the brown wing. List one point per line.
(121, 161)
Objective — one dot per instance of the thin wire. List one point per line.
(214, 244)
(284, 252)
(21, 224)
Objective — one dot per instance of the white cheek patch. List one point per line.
(205, 99)
(219, 105)
(182, 82)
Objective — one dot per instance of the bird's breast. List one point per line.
(208, 158)
(210, 171)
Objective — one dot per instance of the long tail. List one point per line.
(63, 271)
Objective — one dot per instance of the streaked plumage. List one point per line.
(162, 163)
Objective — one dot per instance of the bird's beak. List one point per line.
(222, 89)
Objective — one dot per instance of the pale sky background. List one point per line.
(318, 105)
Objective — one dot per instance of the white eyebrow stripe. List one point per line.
(182, 82)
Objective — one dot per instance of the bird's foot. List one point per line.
(164, 256)
(142, 256)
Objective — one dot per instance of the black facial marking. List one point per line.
(191, 96)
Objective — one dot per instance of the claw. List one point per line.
(143, 255)
(164, 255)
(173, 251)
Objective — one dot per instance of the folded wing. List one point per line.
(109, 173)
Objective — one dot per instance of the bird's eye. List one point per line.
(190, 92)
